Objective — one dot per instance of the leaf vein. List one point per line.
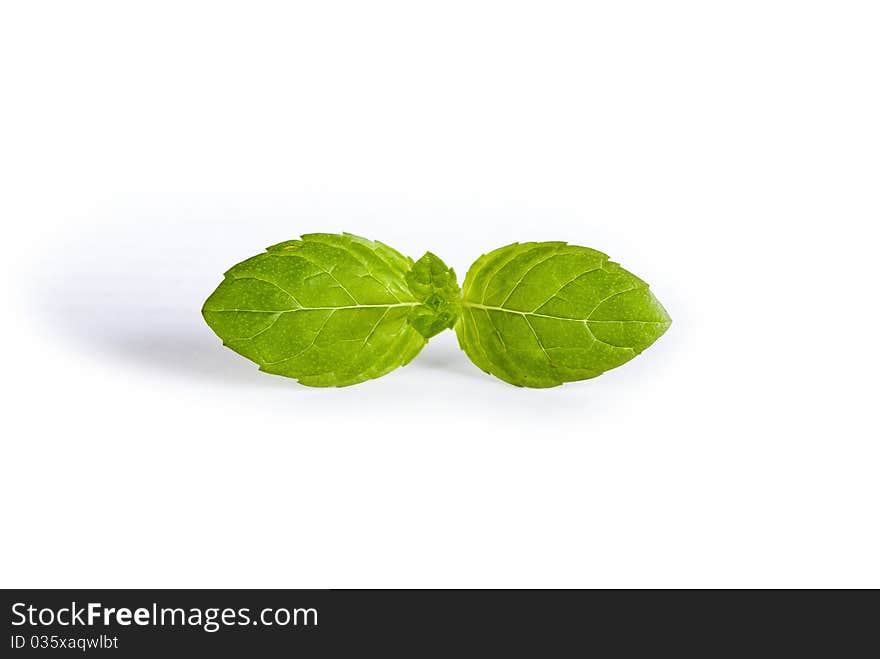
(271, 283)
(538, 339)
(494, 274)
(301, 308)
(314, 340)
(570, 281)
(526, 273)
(366, 267)
(613, 295)
(329, 273)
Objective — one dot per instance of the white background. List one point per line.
(727, 152)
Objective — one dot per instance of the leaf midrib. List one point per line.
(543, 315)
(351, 306)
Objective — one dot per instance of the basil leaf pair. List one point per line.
(335, 310)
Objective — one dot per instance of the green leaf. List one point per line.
(436, 286)
(328, 310)
(541, 314)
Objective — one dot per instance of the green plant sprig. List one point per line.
(337, 309)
